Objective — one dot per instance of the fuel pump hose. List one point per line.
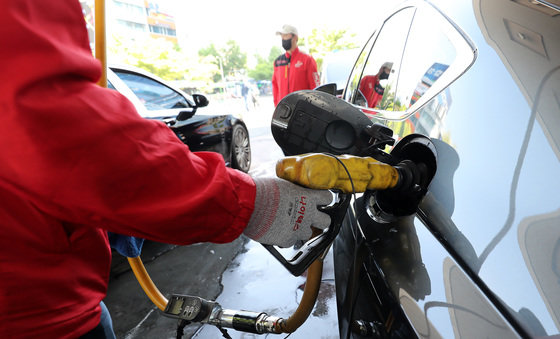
(310, 293)
(248, 321)
(146, 283)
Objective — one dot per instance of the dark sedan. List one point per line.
(155, 99)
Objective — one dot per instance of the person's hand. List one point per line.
(284, 212)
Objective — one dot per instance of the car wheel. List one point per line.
(240, 149)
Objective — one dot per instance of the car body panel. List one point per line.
(481, 257)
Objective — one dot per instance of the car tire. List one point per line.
(240, 149)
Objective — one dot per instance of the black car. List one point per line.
(471, 92)
(155, 99)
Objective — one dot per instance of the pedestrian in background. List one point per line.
(245, 92)
(293, 70)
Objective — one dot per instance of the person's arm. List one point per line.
(275, 87)
(312, 74)
(82, 154)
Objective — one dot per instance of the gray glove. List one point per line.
(284, 212)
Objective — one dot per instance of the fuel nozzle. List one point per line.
(416, 166)
(408, 170)
(413, 177)
(347, 173)
(394, 187)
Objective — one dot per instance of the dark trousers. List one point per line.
(105, 328)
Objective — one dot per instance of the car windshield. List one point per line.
(152, 94)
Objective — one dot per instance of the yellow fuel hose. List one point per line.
(308, 299)
(146, 282)
(321, 171)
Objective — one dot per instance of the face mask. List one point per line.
(384, 76)
(287, 44)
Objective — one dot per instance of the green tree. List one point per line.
(265, 66)
(321, 42)
(158, 56)
(230, 59)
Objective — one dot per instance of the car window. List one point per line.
(375, 86)
(352, 87)
(154, 95)
(428, 54)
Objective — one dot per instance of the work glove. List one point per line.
(284, 212)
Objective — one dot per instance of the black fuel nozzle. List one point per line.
(413, 177)
(415, 158)
(316, 247)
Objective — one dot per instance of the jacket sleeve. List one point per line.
(275, 86)
(82, 154)
(312, 74)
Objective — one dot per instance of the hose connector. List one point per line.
(245, 321)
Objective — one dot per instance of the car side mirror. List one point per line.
(200, 100)
(184, 115)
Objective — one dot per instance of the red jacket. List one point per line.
(371, 89)
(294, 72)
(78, 160)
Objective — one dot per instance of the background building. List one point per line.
(134, 19)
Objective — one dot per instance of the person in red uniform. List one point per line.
(293, 70)
(371, 87)
(78, 161)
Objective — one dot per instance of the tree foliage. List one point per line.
(323, 41)
(158, 56)
(168, 61)
(265, 66)
(230, 59)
